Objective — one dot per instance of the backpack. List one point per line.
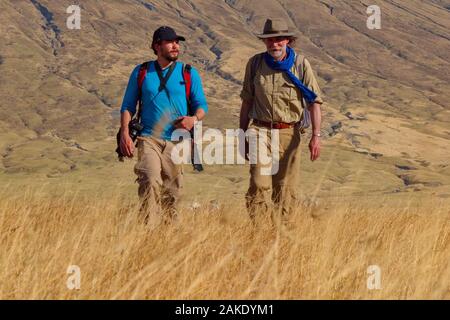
(305, 118)
(134, 124)
(187, 80)
(186, 77)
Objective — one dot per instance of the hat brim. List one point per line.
(273, 35)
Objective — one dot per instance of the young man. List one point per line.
(164, 109)
(275, 86)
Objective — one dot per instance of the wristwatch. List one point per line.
(317, 134)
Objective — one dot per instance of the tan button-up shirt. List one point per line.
(274, 94)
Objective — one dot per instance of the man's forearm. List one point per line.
(200, 114)
(125, 118)
(243, 117)
(316, 118)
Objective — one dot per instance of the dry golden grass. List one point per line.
(323, 252)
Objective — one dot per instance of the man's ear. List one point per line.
(156, 47)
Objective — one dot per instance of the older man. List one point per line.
(278, 85)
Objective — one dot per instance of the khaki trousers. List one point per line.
(160, 180)
(281, 188)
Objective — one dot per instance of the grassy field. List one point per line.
(379, 195)
(324, 251)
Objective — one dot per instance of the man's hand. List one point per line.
(185, 123)
(244, 153)
(314, 148)
(126, 144)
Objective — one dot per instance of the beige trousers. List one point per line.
(280, 190)
(160, 180)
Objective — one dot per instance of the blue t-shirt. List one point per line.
(158, 111)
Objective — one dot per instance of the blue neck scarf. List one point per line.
(286, 66)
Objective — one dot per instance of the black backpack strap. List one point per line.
(163, 80)
(300, 65)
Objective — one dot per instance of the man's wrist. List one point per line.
(317, 134)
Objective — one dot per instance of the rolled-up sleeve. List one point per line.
(310, 81)
(247, 93)
(131, 93)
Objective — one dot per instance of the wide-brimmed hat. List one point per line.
(275, 28)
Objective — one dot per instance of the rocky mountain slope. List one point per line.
(386, 117)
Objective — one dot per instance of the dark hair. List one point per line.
(292, 41)
(153, 46)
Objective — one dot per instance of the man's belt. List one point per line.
(274, 125)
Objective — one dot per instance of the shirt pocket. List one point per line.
(289, 91)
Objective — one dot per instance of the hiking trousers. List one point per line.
(277, 191)
(160, 179)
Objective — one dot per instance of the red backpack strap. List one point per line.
(141, 77)
(187, 80)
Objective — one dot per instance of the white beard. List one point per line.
(278, 54)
